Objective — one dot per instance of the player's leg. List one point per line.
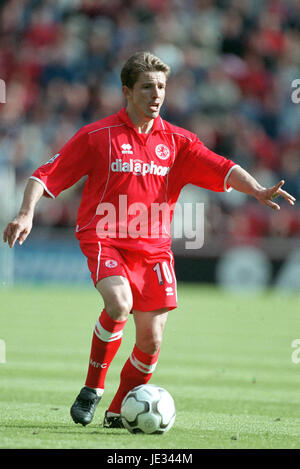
(107, 337)
(153, 283)
(142, 362)
(108, 331)
(108, 274)
(149, 329)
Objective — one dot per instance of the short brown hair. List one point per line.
(141, 62)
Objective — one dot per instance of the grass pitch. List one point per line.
(227, 361)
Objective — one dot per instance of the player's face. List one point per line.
(147, 95)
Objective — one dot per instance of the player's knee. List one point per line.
(150, 344)
(118, 308)
(153, 347)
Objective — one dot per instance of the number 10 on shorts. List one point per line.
(163, 273)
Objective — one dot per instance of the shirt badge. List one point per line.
(126, 149)
(162, 151)
(111, 263)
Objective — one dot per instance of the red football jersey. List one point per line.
(133, 180)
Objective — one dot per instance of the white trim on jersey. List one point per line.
(180, 135)
(167, 182)
(44, 186)
(109, 164)
(226, 178)
(108, 127)
(108, 173)
(162, 123)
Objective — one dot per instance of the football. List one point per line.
(148, 409)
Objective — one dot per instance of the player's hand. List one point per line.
(267, 196)
(18, 230)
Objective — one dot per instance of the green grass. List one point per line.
(225, 359)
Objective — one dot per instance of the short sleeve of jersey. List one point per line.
(67, 167)
(204, 168)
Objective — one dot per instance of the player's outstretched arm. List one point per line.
(19, 228)
(242, 181)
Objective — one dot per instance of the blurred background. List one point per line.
(233, 63)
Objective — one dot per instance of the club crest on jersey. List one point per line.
(162, 151)
(111, 263)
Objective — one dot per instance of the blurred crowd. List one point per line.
(233, 65)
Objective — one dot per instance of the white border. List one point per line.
(227, 176)
(44, 186)
(80, 228)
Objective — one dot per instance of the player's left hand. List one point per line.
(267, 196)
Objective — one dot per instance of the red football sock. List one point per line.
(137, 370)
(106, 341)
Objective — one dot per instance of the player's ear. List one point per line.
(126, 92)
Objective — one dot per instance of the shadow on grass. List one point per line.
(65, 428)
